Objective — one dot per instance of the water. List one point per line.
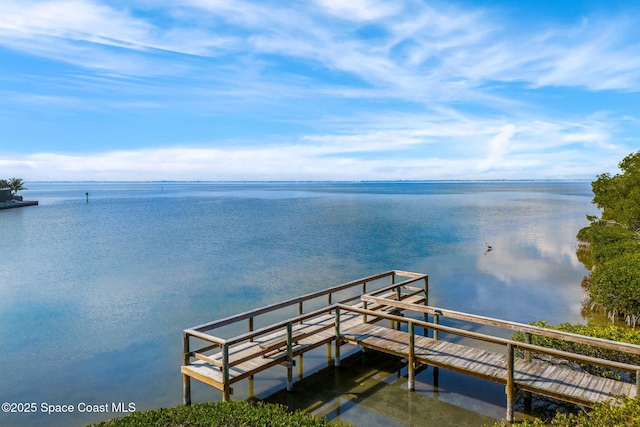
(94, 296)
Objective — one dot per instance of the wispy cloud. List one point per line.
(436, 150)
(416, 50)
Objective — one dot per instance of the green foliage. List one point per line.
(609, 241)
(615, 284)
(16, 184)
(219, 414)
(619, 413)
(612, 246)
(619, 195)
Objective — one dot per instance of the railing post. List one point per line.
(226, 389)
(425, 316)
(412, 367)
(300, 311)
(638, 384)
(337, 314)
(329, 299)
(186, 379)
(436, 321)
(527, 353)
(289, 357)
(426, 290)
(392, 324)
(365, 305)
(510, 389)
(250, 327)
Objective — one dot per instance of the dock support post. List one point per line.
(337, 336)
(436, 380)
(186, 390)
(226, 389)
(289, 357)
(412, 366)
(300, 368)
(186, 379)
(510, 388)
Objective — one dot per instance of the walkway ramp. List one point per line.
(534, 376)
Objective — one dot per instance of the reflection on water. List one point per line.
(94, 296)
(369, 389)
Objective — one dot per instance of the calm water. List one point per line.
(94, 296)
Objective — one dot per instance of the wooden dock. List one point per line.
(361, 319)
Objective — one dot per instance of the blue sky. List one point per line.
(317, 89)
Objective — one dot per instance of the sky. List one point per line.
(317, 89)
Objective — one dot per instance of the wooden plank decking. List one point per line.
(222, 362)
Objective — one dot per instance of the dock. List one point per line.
(390, 313)
(17, 204)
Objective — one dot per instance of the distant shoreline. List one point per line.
(397, 181)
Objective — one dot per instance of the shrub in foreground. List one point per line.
(219, 414)
(625, 413)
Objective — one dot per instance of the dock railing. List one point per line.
(527, 330)
(214, 348)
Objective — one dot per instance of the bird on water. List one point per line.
(489, 248)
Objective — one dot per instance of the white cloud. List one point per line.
(359, 10)
(75, 20)
(498, 147)
(96, 36)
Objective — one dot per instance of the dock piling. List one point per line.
(289, 357)
(338, 340)
(510, 388)
(186, 379)
(411, 362)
